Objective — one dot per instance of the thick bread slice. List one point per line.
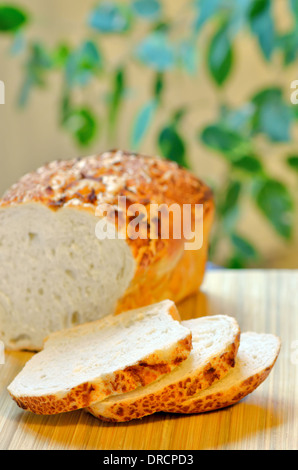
(215, 343)
(90, 362)
(256, 357)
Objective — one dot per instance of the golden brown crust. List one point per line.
(173, 394)
(207, 402)
(229, 392)
(212, 401)
(128, 379)
(170, 275)
(173, 311)
(103, 177)
(221, 400)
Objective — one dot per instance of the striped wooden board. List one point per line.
(262, 301)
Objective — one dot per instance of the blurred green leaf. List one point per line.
(82, 124)
(148, 9)
(19, 43)
(178, 116)
(25, 90)
(236, 262)
(234, 13)
(231, 144)
(142, 122)
(116, 97)
(229, 220)
(273, 116)
(230, 199)
(248, 163)
(157, 52)
(205, 9)
(243, 247)
(12, 18)
(61, 54)
(147, 112)
(237, 15)
(39, 59)
(220, 56)
(295, 110)
(187, 56)
(294, 8)
(292, 161)
(275, 202)
(158, 86)
(162, 26)
(237, 120)
(66, 105)
(172, 145)
(288, 43)
(38, 63)
(262, 25)
(110, 17)
(82, 64)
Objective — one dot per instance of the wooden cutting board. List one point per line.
(262, 301)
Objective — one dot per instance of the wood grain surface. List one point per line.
(261, 301)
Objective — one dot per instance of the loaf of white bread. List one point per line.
(144, 361)
(55, 272)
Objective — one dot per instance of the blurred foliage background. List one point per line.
(206, 83)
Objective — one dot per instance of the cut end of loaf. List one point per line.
(56, 273)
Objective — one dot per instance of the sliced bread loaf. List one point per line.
(256, 357)
(215, 343)
(85, 364)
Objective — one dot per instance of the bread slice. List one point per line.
(256, 357)
(90, 362)
(215, 343)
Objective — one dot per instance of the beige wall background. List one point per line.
(32, 136)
